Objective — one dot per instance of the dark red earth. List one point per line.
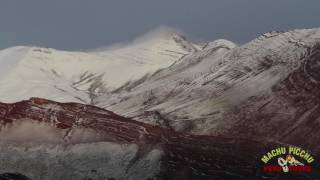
(185, 156)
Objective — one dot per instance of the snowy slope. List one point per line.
(80, 76)
(200, 92)
(10, 57)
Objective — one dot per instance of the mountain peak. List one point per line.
(165, 36)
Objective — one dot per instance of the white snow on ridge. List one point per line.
(79, 76)
(7, 61)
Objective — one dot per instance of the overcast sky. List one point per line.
(87, 24)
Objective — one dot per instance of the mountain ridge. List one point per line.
(77, 76)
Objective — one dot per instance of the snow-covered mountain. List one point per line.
(267, 90)
(162, 78)
(80, 76)
(203, 90)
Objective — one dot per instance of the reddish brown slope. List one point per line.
(185, 156)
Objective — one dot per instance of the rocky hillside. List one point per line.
(79, 141)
